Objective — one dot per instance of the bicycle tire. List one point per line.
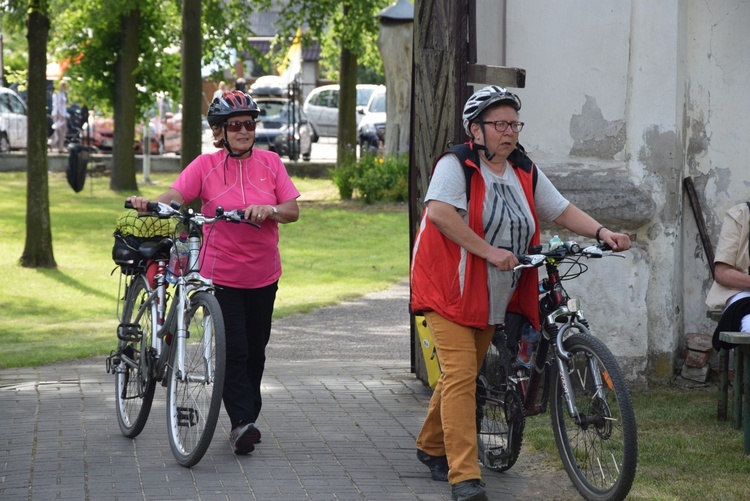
(500, 416)
(194, 401)
(599, 455)
(134, 387)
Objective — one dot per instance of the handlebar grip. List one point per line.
(152, 206)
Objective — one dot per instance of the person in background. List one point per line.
(220, 90)
(730, 291)
(59, 118)
(462, 274)
(240, 84)
(243, 261)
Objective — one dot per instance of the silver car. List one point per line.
(13, 121)
(322, 108)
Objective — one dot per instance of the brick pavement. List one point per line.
(335, 427)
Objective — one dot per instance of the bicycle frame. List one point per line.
(556, 304)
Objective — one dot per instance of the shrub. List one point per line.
(376, 179)
(343, 177)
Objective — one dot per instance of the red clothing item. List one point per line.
(447, 279)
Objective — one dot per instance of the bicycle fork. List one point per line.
(564, 369)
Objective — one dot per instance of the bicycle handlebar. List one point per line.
(539, 257)
(165, 211)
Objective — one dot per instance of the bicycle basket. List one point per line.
(130, 232)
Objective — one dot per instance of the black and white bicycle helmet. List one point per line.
(231, 104)
(484, 97)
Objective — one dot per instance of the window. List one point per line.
(334, 102)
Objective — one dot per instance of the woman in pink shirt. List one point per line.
(243, 261)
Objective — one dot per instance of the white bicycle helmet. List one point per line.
(484, 97)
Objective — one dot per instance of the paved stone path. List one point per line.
(339, 422)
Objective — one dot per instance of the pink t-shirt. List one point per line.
(238, 255)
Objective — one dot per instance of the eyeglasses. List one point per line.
(501, 125)
(235, 126)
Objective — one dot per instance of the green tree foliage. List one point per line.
(15, 62)
(89, 36)
(354, 25)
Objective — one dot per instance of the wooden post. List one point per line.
(443, 65)
(438, 92)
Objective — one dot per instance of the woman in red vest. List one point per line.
(482, 208)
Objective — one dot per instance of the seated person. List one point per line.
(730, 291)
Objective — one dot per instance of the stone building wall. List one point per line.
(623, 100)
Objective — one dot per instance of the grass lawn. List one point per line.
(335, 251)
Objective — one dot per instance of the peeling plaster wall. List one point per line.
(716, 111)
(639, 94)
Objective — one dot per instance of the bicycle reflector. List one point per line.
(574, 304)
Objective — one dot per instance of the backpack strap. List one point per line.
(465, 152)
(518, 157)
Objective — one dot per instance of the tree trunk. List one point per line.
(37, 252)
(347, 139)
(123, 154)
(395, 45)
(191, 81)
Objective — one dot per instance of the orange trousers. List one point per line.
(450, 427)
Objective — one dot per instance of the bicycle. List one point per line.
(184, 350)
(591, 411)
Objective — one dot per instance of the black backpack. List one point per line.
(77, 166)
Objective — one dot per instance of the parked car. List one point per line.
(283, 128)
(269, 85)
(165, 133)
(13, 121)
(371, 129)
(322, 108)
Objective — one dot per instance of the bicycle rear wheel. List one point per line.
(500, 418)
(194, 397)
(600, 451)
(134, 388)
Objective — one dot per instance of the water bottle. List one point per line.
(555, 243)
(178, 259)
(529, 339)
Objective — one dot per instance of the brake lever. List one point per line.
(237, 216)
(530, 261)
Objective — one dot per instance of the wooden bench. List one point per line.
(741, 385)
(721, 412)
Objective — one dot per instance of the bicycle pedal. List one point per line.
(187, 416)
(129, 333)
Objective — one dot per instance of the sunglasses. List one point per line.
(235, 126)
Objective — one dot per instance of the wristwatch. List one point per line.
(275, 210)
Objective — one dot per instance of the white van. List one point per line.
(13, 121)
(322, 108)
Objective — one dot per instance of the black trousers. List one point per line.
(247, 321)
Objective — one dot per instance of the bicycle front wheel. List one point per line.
(194, 394)
(134, 387)
(599, 447)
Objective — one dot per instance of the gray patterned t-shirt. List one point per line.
(506, 217)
